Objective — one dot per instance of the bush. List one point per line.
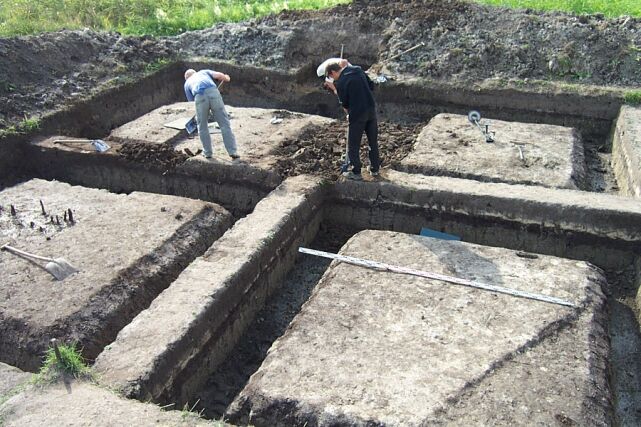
(633, 97)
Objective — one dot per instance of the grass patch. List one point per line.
(28, 125)
(71, 363)
(157, 65)
(609, 8)
(633, 97)
(24, 127)
(138, 17)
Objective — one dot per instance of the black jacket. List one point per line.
(354, 90)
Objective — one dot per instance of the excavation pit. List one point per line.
(151, 127)
(259, 132)
(127, 248)
(521, 153)
(212, 301)
(372, 347)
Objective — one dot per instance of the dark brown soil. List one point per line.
(463, 41)
(321, 150)
(153, 155)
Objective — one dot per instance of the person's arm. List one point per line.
(188, 94)
(343, 96)
(219, 76)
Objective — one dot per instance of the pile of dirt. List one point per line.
(320, 150)
(246, 43)
(467, 41)
(153, 156)
(463, 41)
(44, 72)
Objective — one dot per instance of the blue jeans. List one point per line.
(210, 99)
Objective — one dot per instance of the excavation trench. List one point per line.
(404, 101)
(216, 387)
(233, 297)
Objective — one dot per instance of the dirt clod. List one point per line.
(152, 155)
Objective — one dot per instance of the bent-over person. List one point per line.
(354, 90)
(200, 87)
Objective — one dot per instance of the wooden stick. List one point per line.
(71, 141)
(450, 279)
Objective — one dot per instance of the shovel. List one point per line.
(57, 267)
(98, 144)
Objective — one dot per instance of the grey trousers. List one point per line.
(210, 100)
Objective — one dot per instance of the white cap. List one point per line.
(320, 71)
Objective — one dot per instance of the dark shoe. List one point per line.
(353, 176)
(371, 172)
(207, 156)
(234, 156)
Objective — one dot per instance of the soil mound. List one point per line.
(462, 41)
(321, 150)
(152, 155)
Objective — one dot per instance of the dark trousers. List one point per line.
(369, 125)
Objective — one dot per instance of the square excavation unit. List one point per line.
(522, 153)
(162, 125)
(373, 347)
(127, 249)
(258, 131)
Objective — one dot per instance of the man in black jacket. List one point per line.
(354, 90)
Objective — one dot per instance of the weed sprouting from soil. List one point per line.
(28, 125)
(157, 65)
(633, 97)
(70, 363)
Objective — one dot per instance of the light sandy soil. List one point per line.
(79, 403)
(379, 347)
(521, 153)
(122, 245)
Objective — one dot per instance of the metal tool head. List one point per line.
(60, 268)
(100, 145)
(474, 116)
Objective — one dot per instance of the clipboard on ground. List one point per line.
(190, 125)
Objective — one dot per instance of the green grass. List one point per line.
(71, 363)
(633, 97)
(28, 125)
(137, 17)
(157, 65)
(609, 8)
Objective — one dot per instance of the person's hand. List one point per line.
(227, 78)
(330, 86)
